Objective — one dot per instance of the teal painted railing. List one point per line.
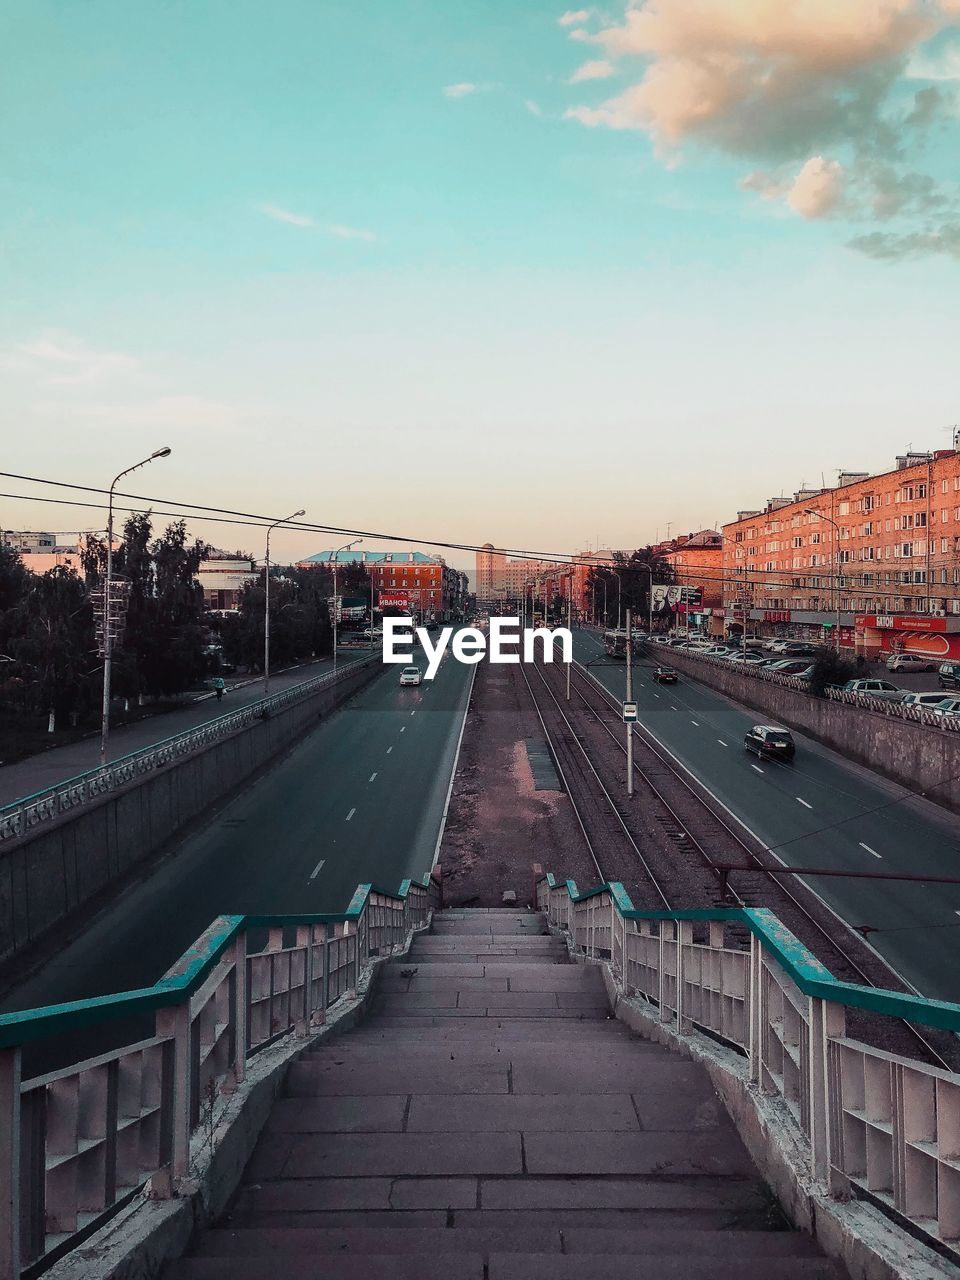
(77, 1142)
(872, 1120)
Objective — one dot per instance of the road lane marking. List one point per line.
(693, 722)
(656, 695)
(869, 850)
(373, 777)
(414, 711)
(800, 800)
(757, 767)
(403, 728)
(389, 749)
(317, 869)
(721, 741)
(350, 814)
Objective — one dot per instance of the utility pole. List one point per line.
(107, 610)
(336, 554)
(266, 601)
(629, 699)
(569, 626)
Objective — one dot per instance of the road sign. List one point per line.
(629, 712)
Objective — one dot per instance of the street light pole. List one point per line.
(107, 620)
(810, 511)
(266, 602)
(629, 699)
(346, 547)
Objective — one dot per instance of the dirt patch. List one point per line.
(499, 825)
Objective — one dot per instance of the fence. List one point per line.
(63, 797)
(873, 1121)
(883, 706)
(76, 1143)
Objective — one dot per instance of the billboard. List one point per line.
(669, 596)
(394, 599)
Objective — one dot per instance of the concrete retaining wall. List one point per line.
(919, 757)
(68, 863)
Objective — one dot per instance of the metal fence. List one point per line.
(76, 1143)
(44, 806)
(872, 1121)
(883, 706)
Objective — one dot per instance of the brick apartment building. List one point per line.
(500, 581)
(883, 551)
(425, 584)
(697, 561)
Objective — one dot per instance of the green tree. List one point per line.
(54, 646)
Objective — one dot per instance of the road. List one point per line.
(819, 811)
(360, 799)
(33, 774)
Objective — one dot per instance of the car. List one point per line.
(909, 662)
(411, 675)
(948, 707)
(948, 675)
(771, 742)
(923, 701)
(874, 689)
(776, 645)
(716, 651)
(665, 675)
(792, 666)
(799, 649)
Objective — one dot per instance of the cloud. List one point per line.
(573, 17)
(817, 84)
(349, 233)
(893, 246)
(62, 359)
(817, 188)
(942, 66)
(284, 215)
(533, 107)
(307, 223)
(597, 69)
(460, 90)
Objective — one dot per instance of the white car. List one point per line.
(923, 701)
(411, 675)
(910, 662)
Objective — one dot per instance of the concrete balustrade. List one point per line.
(76, 1143)
(869, 1122)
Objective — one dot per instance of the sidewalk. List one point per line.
(26, 777)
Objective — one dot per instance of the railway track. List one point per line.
(674, 814)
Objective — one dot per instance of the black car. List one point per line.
(799, 650)
(948, 675)
(665, 675)
(770, 742)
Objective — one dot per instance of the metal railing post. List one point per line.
(325, 975)
(10, 1163)
(305, 940)
(753, 1009)
(177, 1024)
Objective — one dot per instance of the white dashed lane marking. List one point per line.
(373, 777)
(694, 723)
(757, 767)
(389, 749)
(350, 814)
(869, 850)
(721, 741)
(317, 869)
(414, 711)
(800, 800)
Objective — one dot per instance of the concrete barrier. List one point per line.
(918, 756)
(66, 865)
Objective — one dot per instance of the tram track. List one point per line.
(671, 840)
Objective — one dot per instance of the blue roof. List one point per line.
(371, 557)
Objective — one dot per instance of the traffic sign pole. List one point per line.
(629, 699)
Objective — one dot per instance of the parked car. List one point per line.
(665, 675)
(790, 666)
(874, 689)
(947, 707)
(770, 741)
(948, 675)
(909, 662)
(411, 675)
(717, 651)
(799, 649)
(923, 701)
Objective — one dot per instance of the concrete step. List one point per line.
(475, 958)
(252, 1242)
(500, 1266)
(410, 1201)
(673, 1222)
(555, 978)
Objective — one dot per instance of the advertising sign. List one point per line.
(394, 599)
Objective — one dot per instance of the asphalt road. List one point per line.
(33, 774)
(819, 811)
(359, 800)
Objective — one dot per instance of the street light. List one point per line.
(266, 601)
(809, 511)
(107, 621)
(346, 547)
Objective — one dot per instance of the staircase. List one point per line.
(491, 1121)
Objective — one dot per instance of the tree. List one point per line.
(299, 619)
(635, 573)
(830, 669)
(54, 645)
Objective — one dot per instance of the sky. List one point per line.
(475, 271)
